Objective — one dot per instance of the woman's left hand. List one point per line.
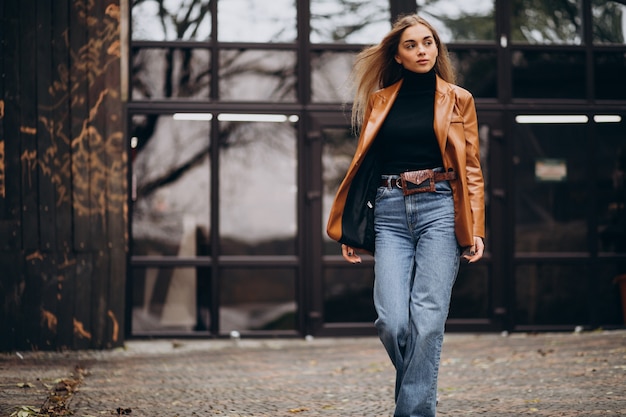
(350, 255)
(475, 252)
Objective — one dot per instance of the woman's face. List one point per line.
(417, 50)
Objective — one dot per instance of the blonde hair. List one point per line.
(375, 67)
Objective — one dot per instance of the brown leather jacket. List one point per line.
(456, 129)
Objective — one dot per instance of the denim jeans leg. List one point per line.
(416, 263)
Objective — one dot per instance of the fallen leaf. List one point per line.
(26, 411)
(298, 410)
(545, 352)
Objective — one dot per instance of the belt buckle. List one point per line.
(418, 178)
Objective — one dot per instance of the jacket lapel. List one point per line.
(384, 100)
(444, 106)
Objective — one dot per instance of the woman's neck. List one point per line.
(418, 82)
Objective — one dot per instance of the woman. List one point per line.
(413, 196)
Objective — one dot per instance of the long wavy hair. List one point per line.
(375, 67)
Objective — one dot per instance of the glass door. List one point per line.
(214, 224)
(569, 228)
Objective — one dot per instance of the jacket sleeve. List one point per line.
(475, 180)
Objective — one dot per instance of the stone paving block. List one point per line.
(563, 374)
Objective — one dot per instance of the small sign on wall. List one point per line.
(550, 170)
(2, 180)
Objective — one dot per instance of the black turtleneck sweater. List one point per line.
(406, 140)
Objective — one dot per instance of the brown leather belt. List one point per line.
(421, 181)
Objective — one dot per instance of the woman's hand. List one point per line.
(349, 254)
(475, 251)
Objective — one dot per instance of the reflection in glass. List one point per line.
(485, 130)
(470, 295)
(258, 75)
(609, 21)
(348, 295)
(357, 21)
(551, 188)
(548, 74)
(164, 299)
(551, 294)
(170, 20)
(330, 73)
(158, 74)
(477, 71)
(611, 176)
(606, 296)
(461, 21)
(170, 213)
(258, 188)
(257, 299)
(256, 20)
(547, 22)
(610, 68)
(338, 146)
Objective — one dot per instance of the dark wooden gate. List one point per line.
(63, 185)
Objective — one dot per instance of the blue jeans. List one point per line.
(416, 262)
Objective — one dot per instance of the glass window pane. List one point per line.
(170, 213)
(329, 77)
(357, 21)
(461, 21)
(609, 21)
(606, 299)
(488, 124)
(257, 299)
(164, 299)
(160, 73)
(551, 295)
(547, 22)
(258, 188)
(470, 295)
(348, 295)
(256, 20)
(548, 74)
(338, 146)
(258, 75)
(158, 20)
(477, 71)
(611, 173)
(610, 68)
(551, 188)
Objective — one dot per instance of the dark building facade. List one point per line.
(63, 168)
(167, 167)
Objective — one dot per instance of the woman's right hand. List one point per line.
(349, 254)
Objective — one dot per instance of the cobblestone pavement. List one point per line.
(552, 374)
